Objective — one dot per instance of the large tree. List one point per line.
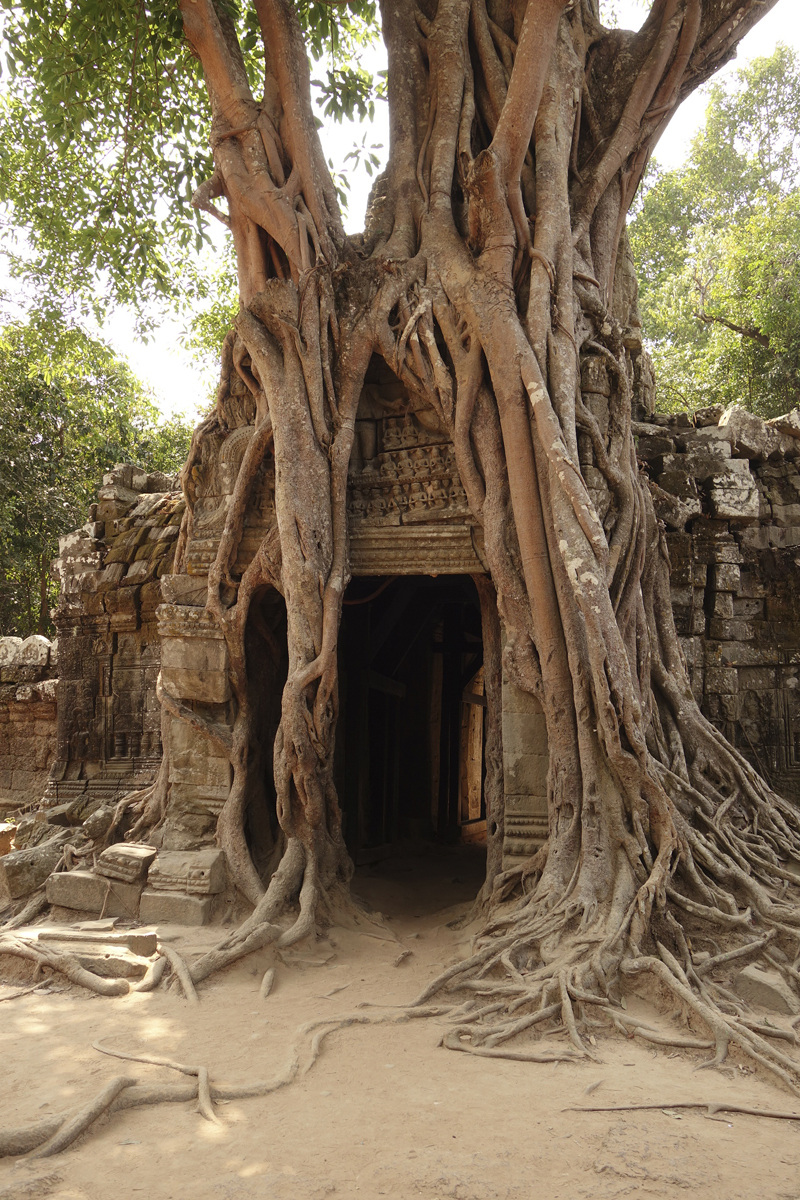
(492, 278)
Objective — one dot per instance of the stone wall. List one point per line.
(727, 487)
(28, 721)
(109, 736)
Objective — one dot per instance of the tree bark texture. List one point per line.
(491, 278)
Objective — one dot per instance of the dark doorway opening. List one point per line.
(411, 733)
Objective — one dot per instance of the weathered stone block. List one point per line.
(23, 871)
(722, 679)
(749, 435)
(526, 773)
(515, 700)
(196, 668)
(175, 908)
(788, 424)
(648, 447)
(184, 589)
(87, 892)
(9, 651)
(735, 630)
(767, 988)
(127, 861)
(727, 577)
(201, 872)
(594, 376)
(733, 493)
(723, 604)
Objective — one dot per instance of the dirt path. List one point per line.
(385, 1111)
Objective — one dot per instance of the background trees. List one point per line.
(69, 410)
(717, 244)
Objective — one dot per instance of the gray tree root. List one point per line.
(52, 1134)
(83, 1119)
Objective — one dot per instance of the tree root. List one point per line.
(86, 1116)
(153, 974)
(53, 1134)
(452, 1041)
(182, 973)
(36, 905)
(712, 1107)
(44, 956)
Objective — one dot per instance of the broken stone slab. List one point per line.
(201, 872)
(106, 958)
(767, 988)
(23, 871)
(749, 435)
(87, 892)
(175, 908)
(788, 424)
(143, 942)
(127, 861)
(709, 415)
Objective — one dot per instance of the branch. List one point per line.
(751, 332)
(287, 61)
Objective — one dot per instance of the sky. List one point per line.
(182, 386)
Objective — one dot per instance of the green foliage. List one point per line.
(68, 412)
(104, 125)
(717, 246)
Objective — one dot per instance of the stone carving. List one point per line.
(411, 476)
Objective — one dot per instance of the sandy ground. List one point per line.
(384, 1111)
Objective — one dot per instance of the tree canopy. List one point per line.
(69, 410)
(717, 244)
(104, 143)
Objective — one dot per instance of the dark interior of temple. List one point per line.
(410, 739)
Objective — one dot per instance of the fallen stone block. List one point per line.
(750, 436)
(788, 424)
(767, 988)
(201, 872)
(23, 871)
(127, 861)
(175, 908)
(108, 960)
(142, 942)
(87, 892)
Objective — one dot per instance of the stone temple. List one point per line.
(81, 724)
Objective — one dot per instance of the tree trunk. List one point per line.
(492, 279)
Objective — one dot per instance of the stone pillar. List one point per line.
(194, 670)
(525, 762)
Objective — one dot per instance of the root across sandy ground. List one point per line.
(385, 1110)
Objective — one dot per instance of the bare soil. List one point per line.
(385, 1111)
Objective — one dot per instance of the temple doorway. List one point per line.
(411, 733)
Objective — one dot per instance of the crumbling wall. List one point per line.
(109, 729)
(727, 487)
(28, 720)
